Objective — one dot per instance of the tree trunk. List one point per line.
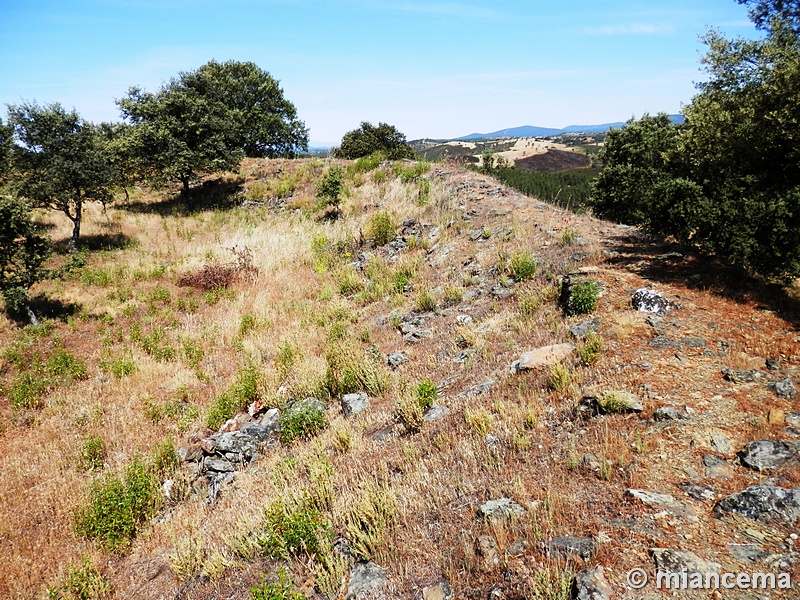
(185, 191)
(76, 227)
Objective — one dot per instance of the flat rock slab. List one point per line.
(438, 591)
(543, 357)
(767, 454)
(677, 561)
(763, 503)
(569, 545)
(353, 404)
(581, 330)
(502, 509)
(664, 501)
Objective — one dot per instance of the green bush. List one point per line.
(330, 189)
(382, 228)
(583, 297)
(302, 421)
(28, 390)
(299, 531)
(280, 589)
(522, 265)
(426, 393)
(119, 507)
(92, 456)
(81, 583)
(65, 367)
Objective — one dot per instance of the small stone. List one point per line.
(645, 300)
(766, 454)
(395, 359)
(667, 413)
(772, 364)
(698, 492)
(516, 548)
(438, 591)
(543, 357)
(591, 584)
(366, 581)
(191, 453)
(502, 509)
(785, 389)
(722, 444)
(218, 465)
(435, 412)
(743, 375)
(572, 546)
(776, 416)
(486, 546)
(353, 404)
(581, 330)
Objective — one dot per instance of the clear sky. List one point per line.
(436, 69)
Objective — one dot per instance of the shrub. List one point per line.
(426, 393)
(119, 507)
(92, 456)
(214, 276)
(365, 164)
(330, 189)
(589, 349)
(382, 228)
(350, 370)
(28, 390)
(583, 297)
(304, 420)
(81, 583)
(560, 376)
(120, 367)
(368, 139)
(408, 413)
(297, 531)
(522, 265)
(64, 366)
(280, 589)
(425, 302)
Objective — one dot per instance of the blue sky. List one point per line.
(434, 69)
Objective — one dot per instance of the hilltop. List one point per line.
(628, 446)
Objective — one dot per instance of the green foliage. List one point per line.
(120, 367)
(589, 349)
(521, 266)
(22, 254)
(365, 164)
(371, 521)
(156, 343)
(569, 189)
(425, 302)
(408, 172)
(81, 583)
(330, 189)
(302, 421)
(726, 180)
(92, 456)
(61, 160)
(351, 370)
(560, 376)
(120, 506)
(382, 228)
(63, 366)
(28, 389)
(583, 296)
(368, 139)
(244, 390)
(299, 531)
(409, 413)
(280, 589)
(207, 120)
(426, 393)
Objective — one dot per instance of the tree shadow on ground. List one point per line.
(668, 262)
(45, 307)
(99, 241)
(218, 194)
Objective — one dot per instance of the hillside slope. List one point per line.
(427, 276)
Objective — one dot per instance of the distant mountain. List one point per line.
(532, 131)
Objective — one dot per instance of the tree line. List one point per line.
(727, 179)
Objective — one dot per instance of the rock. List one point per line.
(763, 503)
(785, 389)
(516, 548)
(486, 547)
(581, 330)
(766, 454)
(218, 465)
(367, 580)
(235, 423)
(677, 561)
(572, 546)
(500, 292)
(438, 591)
(192, 453)
(435, 412)
(611, 402)
(717, 467)
(667, 413)
(772, 364)
(464, 319)
(477, 390)
(664, 501)
(543, 357)
(662, 342)
(417, 335)
(747, 552)
(464, 355)
(776, 416)
(722, 444)
(270, 419)
(352, 404)
(591, 584)
(697, 491)
(691, 342)
(500, 510)
(645, 300)
(743, 375)
(395, 359)
(236, 442)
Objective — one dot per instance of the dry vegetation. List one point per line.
(178, 303)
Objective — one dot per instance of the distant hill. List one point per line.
(533, 131)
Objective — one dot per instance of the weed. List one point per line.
(610, 402)
(639, 444)
(298, 530)
(304, 420)
(425, 302)
(280, 589)
(365, 164)
(247, 324)
(568, 237)
(382, 228)
(560, 376)
(192, 351)
(521, 265)
(214, 276)
(119, 507)
(589, 349)
(28, 390)
(424, 192)
(371, 521)
(330, 189)
(553, 584)
(350, 370)
(409, 414)
(287, 356)
(426, 394)
(257, 190)
(92, 456)
(479, 419)
(119, 367)
(583, 297)
(245, 390)
(348, 280)
(63, 366)
(81, 583)
(99, 277)
(320, 474)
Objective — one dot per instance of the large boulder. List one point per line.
(767, 454)
(763, 503)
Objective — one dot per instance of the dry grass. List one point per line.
(517, 439)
